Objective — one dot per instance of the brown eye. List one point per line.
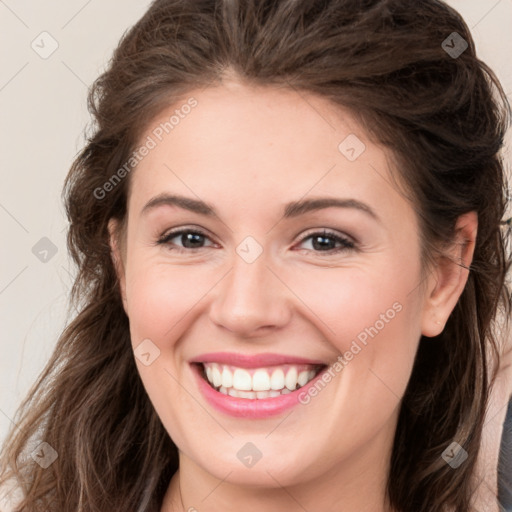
(325, 241)
(188, 238)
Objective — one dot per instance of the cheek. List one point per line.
(358, 302)
(372, 316)
(160, 296)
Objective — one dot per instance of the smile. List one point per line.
(258, 383)
(254, 387)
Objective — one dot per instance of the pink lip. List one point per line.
(250, 408)
(252, 361)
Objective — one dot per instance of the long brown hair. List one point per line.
(395, 64)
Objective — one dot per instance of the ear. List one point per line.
(118, 256)
(449, 276)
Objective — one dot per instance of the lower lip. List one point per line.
(247, 407)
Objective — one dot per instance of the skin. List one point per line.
(248, 151)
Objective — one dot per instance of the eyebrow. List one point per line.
(187, 203)
(293, 209)
(307, 205)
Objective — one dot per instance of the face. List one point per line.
(289, 261)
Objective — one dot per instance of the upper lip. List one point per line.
(252, 360)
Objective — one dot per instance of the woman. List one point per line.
(287, 226)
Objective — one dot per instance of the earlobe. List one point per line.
(449, 276)
(117, 256)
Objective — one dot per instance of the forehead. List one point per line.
(260, 146)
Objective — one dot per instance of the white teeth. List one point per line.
(303, 378)
(267, 394)
(242, 380)
(277, 379)
(247, 394)
(209, 373)
(260, 381)
(291, 379)
(216, 376)
(257, 383)
(227, 378)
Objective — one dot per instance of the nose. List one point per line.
(250, 300)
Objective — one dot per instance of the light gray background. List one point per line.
(43, 115)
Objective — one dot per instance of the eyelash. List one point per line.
(346, 243)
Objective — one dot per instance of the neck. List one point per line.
(357, 484)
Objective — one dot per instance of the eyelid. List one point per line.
(348, 242)
(328, 232)
(168, 235)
